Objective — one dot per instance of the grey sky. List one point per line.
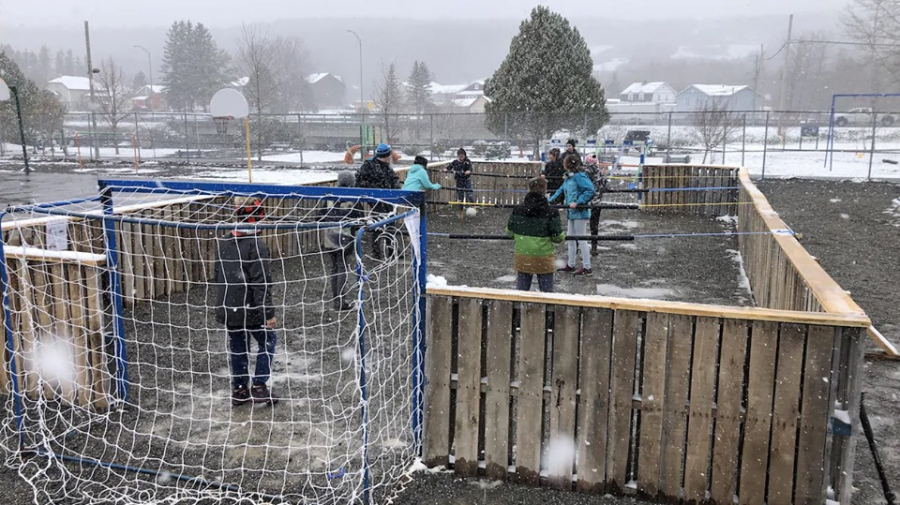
(234, 12)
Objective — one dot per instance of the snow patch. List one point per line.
(845, 216)
(835, 200)
(617, 291)
(560, 456)
(729, 220)
(894, 211)
(435, 281)
(506, 278)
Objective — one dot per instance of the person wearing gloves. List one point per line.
(461, 168)
(417, 180)
(417, 177)
(535, 227)
(597, 175)
(578, 190)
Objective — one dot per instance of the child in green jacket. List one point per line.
(535, 226)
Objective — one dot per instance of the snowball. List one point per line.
(348, 354)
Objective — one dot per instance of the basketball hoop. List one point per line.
(222, 124)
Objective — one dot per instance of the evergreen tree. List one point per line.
(139, 81)
(419, 87)
(193, 66)
(70, 64)
(44, 66)
(59, 65)
(545, 84)
(42, 112)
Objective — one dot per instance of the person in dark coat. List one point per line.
(244, 305)
(461, 168)
(571, 149)
(597, 174)
(341, 243)
(553, 171)
(376, 172)
(536, 228)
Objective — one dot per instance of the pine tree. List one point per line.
(545, 84)
(42, 112)
(44, 66)
(70, 64)
(193, 66)
(59, 66)
(139, 81)
(419, 88)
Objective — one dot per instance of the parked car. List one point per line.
(862, 116)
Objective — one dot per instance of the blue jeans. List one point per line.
(545, 282)
(239, 351)
(464, 191)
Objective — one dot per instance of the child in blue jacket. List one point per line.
(578, 190)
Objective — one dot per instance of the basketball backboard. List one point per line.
(4, 90)
(229, 102)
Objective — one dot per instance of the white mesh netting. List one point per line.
(178, 438)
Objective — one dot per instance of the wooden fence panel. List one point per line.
(468, 389)
(596, 346)
(681, 332)
(653, 394)
(496, 404)
(530, 399)
(437, 386)
(563, 383)
(622, 389)
(703, 377)
(785, 412)
(728, 412)
(755, 459)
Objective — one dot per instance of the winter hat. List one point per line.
(591, 159)
(421, 160)
(382, 150)
(249, 210)
(571, 142)
(346, 179)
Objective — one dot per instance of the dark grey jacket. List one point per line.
(244, 295)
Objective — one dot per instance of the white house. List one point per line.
(73, 91)
(736, 97)
(469, 104)
(445, 94)
(656, 92)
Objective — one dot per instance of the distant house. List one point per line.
(469, 104)
(739, 98)
(142, 99)
(73, 92)
(328, 90)
(239, 83)
(656, 92)
(460, 97)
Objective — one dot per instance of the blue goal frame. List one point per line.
(829, 146)
(109, 218)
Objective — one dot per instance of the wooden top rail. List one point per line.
(642, 305)
(38, 254)
(829, 294)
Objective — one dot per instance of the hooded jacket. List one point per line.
(459, 169)
(578, 189)
(244, 282)
(554, 173)
(377, 174)
(535, 226)
(417, 179)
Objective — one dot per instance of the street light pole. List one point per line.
(91, 72)
(150, 68)
(14, 91)
(362, 105)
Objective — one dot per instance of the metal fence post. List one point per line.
(872, 150)
(744, 138)
(187, 149)
(431, 150)
(137, 136)
(669, 137)
(765, 145)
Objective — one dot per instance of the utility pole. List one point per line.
(91, 72)
(784, 72)
(362, 106)
(14, 91)
(150, 68)
(756, 75)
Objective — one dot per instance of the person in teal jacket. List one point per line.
(417, 177)
(578, 190)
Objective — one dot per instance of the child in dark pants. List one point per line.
(536, 227)
(461, 168)
(601, 185)
(244, 305)
(341, 243)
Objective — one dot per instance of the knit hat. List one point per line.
(382, 150)
(346, 179)
(591, 159)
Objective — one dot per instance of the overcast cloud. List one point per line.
(234, 12)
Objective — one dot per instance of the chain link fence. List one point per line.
(781, 143)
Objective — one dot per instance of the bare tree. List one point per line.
(389, 100)
(256, 57)
(291, 68)
(714, 125)
(113, 98)
(876, 23)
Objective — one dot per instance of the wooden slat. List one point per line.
(437, 385)
(728, 412)
(755, 456)
(563, 383)
(468, 390)
(136, 247)
(622, 387)
(99, 373)
(817, 401)
(689, 309)
(653, 394)
(785, 412)
(79, 336)
(593, 416)
(150, 266)
(529, 403)
(703, 379)
(681, 332)
(496, 404)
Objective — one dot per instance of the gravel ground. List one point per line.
(688, 269)
(854, 231)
